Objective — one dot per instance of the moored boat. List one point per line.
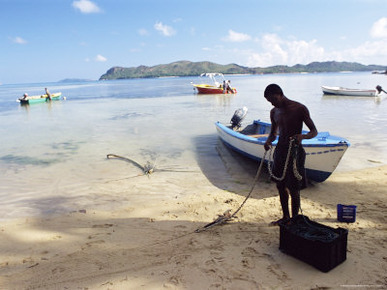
(218, 85)
(340, 91)
(39, 99)
(323, 153)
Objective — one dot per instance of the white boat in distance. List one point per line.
(340, 91)
(323, 153)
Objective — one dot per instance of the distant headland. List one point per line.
(188, 68)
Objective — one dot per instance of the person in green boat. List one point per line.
(287, 119)
(48, 94)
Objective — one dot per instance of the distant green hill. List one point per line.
(187, 68)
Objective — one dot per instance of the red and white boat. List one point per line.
(218, 85)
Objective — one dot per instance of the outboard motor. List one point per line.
(236, 120)
(379, 89)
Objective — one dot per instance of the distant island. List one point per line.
(188, 68)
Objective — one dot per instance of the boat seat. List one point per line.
(258, 135)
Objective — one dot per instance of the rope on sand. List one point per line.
(227, 216)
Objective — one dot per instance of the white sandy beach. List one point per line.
(152, 244)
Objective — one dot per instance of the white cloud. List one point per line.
(19, 40)
(370, 52)
(100, 58)
(236, 36)
(86, 6)
(164, 29)
(301, 51)
(379, 28)
(275, 50)
(272, 49)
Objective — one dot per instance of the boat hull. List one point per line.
(323, 153)
(208, 89)
(39, 99)
(339, 91)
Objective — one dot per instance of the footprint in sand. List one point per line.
(276, 270)
(58, 270)
(249, 252)
(172, 283)
(93, 243)
(180, 227)
(103, 226)
(248, 263)
(210, 263)
(180, 259)
(98, 234)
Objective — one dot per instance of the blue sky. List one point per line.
(50, 40)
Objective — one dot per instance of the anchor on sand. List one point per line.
(147, 169)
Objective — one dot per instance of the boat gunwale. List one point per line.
(342, 143)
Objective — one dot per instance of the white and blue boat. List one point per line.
(323, 153)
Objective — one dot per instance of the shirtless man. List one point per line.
(287, 118)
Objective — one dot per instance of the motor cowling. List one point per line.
(237, 118)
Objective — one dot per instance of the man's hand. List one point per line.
(267, 145)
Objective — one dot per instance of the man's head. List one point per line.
(274, 94)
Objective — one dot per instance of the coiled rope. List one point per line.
(292, 146)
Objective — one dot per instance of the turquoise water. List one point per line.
(51, 152)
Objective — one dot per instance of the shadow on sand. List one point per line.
(229, 170)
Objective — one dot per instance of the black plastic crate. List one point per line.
(318, 245)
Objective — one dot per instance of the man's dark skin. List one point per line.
(287, 118)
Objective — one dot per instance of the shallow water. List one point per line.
(51, 152)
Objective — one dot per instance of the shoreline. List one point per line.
(152, 244)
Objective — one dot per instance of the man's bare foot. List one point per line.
(276, 223)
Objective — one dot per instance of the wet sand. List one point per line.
(152, 244)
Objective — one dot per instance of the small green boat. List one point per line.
(39, 99)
